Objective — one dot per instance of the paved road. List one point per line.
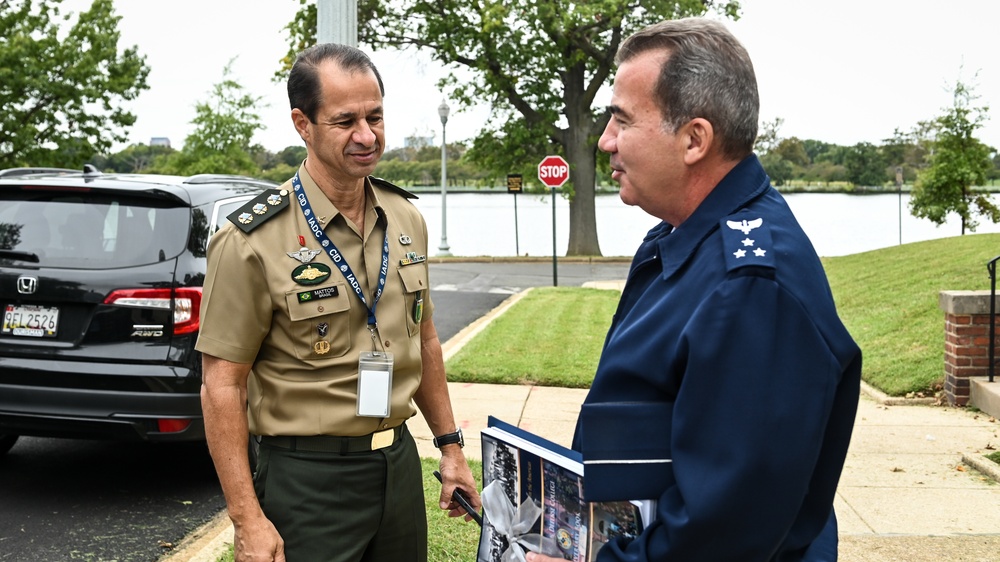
(98, 501)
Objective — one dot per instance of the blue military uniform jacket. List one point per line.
(727, 387)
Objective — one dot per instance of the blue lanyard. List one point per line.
(331, 249)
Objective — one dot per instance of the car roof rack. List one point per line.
(14, 172)
(200, 179)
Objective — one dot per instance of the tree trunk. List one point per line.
(582, 208)
(580, 149)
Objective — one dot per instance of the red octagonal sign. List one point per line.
(553, 171)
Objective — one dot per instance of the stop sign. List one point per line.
(553, 171)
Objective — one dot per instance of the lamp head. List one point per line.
(443, 111)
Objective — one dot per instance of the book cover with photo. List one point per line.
(533, 500)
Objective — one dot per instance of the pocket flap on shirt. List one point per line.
(414, 278)
(626, 450)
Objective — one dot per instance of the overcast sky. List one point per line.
(843, 71)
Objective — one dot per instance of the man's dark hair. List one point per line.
(304, 91)
(707, 74)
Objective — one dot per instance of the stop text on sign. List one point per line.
(553, 171)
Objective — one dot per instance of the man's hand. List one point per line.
(455, 473)
(258, 541)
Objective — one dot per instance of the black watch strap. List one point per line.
(449, 438)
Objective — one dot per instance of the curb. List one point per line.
(982, 464)
(206, 543)
(886, 400)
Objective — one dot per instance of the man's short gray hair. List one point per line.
(707, 74)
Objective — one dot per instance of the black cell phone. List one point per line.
(463, 501)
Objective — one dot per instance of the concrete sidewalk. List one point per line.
(915, 486)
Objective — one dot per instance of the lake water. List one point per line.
(483, 224)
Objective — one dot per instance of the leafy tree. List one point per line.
(224, 129)
(63, 92)
(292, 155)
(777, 168)
(908, 150)
(958, 162)
(540, 65)
(865, 166)
(767, 136)
(134, 158)
(827, 171)
(817, 150)
(793, 151)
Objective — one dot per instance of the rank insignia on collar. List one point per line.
(304, 255)
(412, 258)
(310, 274)
(405, 240)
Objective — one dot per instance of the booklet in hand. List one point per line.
(533, 501)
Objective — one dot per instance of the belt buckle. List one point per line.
(382, 439)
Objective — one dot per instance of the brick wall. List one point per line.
(966, 341)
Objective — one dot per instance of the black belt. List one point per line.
(334, 444)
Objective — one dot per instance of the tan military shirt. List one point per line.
(304, 340)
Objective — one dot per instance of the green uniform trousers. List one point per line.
(346, 507)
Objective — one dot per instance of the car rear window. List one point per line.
(89, 230)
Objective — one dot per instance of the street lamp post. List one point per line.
(444, 249)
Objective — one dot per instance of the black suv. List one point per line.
(100, 284)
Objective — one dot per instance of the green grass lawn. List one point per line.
(551, 337)
(888, 300)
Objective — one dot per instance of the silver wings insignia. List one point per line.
(745, 225)
(304, 255)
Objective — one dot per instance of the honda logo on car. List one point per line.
(27, 285)
(553, 171)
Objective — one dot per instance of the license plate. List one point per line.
(30, 321)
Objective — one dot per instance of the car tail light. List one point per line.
(185, 301)
(172, 426)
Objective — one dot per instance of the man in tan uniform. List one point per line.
(317, 336)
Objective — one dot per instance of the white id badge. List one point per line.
(374, 384)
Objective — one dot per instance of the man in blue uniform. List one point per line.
(727, 389)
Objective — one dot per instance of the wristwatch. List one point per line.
(449, 438)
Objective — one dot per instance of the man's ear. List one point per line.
(301, 123)
(700, 138)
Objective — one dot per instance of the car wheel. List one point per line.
(6, 442)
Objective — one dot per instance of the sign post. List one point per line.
(514, 184)
(553, 171)
(899, 191)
